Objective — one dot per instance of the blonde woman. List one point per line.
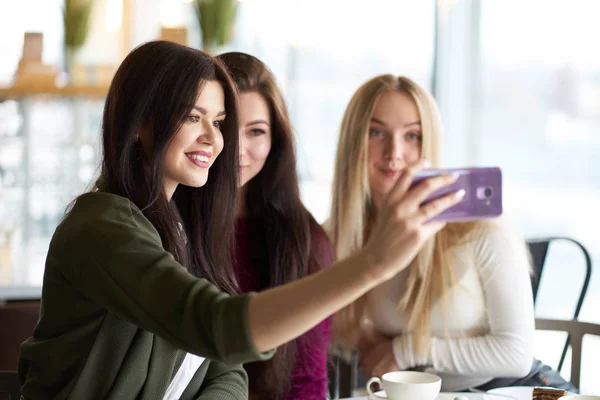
(463, 309)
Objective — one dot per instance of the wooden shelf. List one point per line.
(66, 91)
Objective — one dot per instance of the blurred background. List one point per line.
(518, 83)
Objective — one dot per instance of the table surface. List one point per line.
(451, 396)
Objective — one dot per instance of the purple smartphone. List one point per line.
(483, 197)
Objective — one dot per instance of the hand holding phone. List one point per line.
(483, 197)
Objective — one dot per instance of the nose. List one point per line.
(394, 149)
(208, 135)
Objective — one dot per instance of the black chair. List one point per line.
(538, 248)
(17, 321)
(576, 330)
(343, 374)
(9, 385)
(333, 373)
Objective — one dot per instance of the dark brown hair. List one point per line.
(285, 240)
(153, 91)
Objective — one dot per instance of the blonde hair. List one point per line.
(430, 274)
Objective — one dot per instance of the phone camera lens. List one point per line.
(487, 192)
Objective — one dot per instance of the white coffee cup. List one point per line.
(408, 385)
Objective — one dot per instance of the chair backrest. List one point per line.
(9, 385)
(333, 373)
(342, 373)
(576, 330)
(538, 248)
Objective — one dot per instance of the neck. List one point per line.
(169, 187)
(241, 210)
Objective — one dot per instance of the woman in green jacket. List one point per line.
(138, 298)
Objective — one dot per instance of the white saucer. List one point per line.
(380, 395)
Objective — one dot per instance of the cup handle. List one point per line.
(372, 381)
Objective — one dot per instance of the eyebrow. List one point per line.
(380, 122)
(203, 111)
(257, 121)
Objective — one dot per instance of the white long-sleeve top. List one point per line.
(490, 314)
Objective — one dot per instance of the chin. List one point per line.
(196, 183)
(243, 177)
(243, 182)
(383, 189)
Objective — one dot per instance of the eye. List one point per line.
(193, 119)
(219, 124)
(412, 136)
(374, 132)
(257, 132)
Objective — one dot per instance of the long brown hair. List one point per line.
(284, 235)
(152, 92)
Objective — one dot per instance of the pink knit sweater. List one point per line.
(309, 377)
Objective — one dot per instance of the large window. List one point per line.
(539, 118)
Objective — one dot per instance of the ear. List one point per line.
(142, 136)
(143, 141)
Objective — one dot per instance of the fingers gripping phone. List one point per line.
(483, 197)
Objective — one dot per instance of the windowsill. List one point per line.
(15, 293)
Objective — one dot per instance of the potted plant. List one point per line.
(76, 20)
(216, 19)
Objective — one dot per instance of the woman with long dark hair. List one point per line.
(134, 302)
(277, 239)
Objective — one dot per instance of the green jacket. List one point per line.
(118, 314)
